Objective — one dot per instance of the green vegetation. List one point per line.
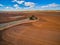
(32, 17)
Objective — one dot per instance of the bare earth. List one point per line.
(46, 31)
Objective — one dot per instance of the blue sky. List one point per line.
(17, 5)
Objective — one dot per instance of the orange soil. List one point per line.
(44, 32)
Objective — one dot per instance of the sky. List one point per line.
(21, 5)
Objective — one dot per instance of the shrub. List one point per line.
(32, 17)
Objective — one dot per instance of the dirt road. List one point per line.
(14, 23)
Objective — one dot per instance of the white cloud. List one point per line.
(53, 5)
(16, 6)
(1, 5)
(26, 4)
(44, 6)
(14, 0)
(19, 2)
(8, 7)
(30, 4)
(50, 5)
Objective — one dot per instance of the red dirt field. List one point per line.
(46, 31)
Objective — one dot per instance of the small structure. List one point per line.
(33, 17)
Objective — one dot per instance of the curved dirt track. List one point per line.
(14, 23)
